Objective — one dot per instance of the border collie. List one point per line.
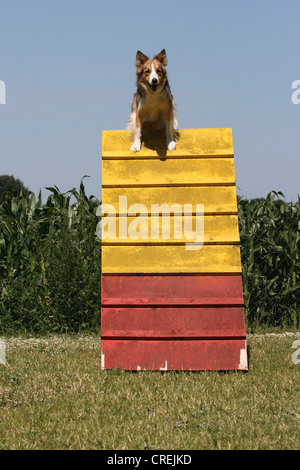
(153, 101)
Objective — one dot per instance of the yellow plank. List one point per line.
(166, 172)
(192, 142)
(218, 229)
(211, 259)
(216, 199)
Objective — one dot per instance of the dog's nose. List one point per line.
(154, 81)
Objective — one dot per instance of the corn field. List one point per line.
(50, 262)
(270, 250)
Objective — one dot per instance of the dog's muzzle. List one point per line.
(153, 84)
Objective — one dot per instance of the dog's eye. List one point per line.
(159, 70)
(147, 71)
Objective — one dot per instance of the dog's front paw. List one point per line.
(172, 145)
(136, 146)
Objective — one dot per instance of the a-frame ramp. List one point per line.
(167, 305)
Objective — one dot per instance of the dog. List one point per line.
(153, 102)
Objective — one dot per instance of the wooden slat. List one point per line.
(171, 259)
(216, 199)
(168, 172)
(230, 354)
(192, 142)
(172, 322)
(184, 301)
(184, 290)
(218, 229)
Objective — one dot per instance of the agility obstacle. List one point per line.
(171, 301)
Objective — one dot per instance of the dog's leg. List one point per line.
(171, 144)
(136, 146)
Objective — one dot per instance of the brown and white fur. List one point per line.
(153, 101)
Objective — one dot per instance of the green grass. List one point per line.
(54, 396)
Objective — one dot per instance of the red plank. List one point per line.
(173, 322)
(162, 322)
(174, 355)
(136, 290)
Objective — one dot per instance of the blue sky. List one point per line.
(69, 72)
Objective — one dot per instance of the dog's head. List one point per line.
(151, 74)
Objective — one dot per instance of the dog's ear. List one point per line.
(162, 57)
(140, 58)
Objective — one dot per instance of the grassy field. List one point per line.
(54, 396)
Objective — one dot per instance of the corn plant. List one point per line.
(270, 249)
